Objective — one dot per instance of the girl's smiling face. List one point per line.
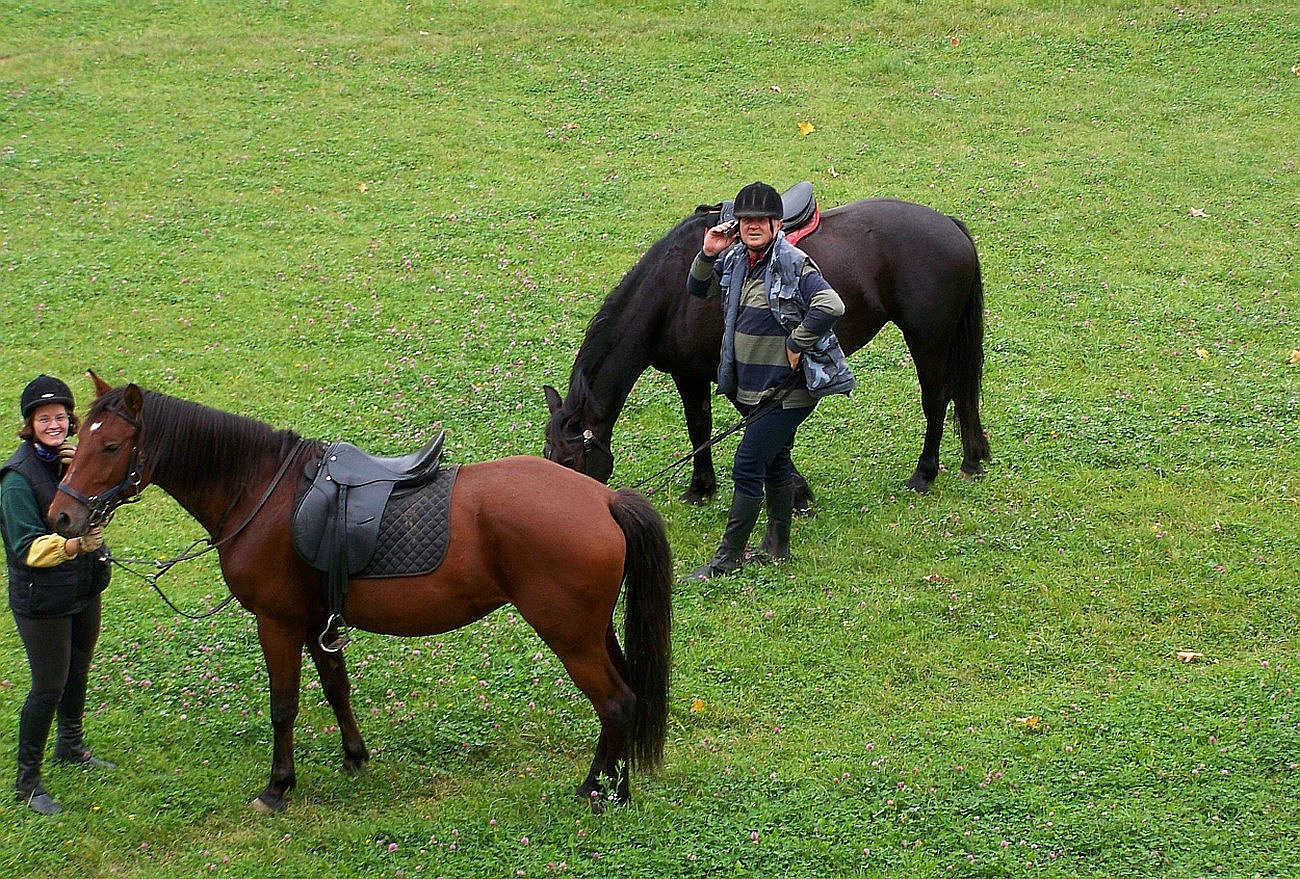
(50, 424)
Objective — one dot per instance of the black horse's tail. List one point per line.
(647, 622)
(966, 371)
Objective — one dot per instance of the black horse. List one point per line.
(889, 260)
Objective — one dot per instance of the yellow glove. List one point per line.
(66, 451)
(92, 539)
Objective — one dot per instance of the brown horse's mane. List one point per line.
(182, 440)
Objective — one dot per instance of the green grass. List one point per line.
(369, 220)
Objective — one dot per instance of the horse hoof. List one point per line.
(261, 807)
(355, 767)
(918, 484)
(694, 498)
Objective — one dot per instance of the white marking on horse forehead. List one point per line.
(96, 426)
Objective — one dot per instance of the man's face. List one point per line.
(758, 232)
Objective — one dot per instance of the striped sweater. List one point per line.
(759, 340)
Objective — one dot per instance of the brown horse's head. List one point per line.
(105, 471)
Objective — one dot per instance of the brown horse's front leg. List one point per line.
(334, 681)
(282, 648)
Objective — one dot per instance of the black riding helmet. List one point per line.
(758, 200)
(42, 390)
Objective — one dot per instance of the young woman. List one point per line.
(54, 589)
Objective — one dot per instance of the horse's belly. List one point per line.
(411, 606)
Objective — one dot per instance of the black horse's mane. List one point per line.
(185, 440)
(604, 330)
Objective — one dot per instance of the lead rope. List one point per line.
(768, 406)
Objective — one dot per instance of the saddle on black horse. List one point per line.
(362, 515)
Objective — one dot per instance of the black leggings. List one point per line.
(59, 650)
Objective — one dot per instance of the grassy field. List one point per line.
(369, 221)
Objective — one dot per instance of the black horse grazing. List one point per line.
(889, 260)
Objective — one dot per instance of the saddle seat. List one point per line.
(345, 464)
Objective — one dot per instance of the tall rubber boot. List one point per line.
(69, 747)
(780, 510)
(731, 553)
(31, 752)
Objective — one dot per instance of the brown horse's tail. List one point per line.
(966, 370)
(647, 622)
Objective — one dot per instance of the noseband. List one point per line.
(102, 506)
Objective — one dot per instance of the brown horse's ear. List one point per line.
(553, 401)
(101, 387)
(132, 400)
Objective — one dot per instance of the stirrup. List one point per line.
(342, 637)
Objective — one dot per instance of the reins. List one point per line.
(764, 408)
(162, 567)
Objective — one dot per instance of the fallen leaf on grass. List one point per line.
(806, 128)
(1030, 723)
(697, 706)
(1189, 655)
(1295, 357)
(1202, 353)
(1197, 212)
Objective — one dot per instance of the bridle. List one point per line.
(104, 505)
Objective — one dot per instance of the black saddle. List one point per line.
(798, 205)
(337, 518)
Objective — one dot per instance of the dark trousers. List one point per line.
(764, 451)
(59, 651)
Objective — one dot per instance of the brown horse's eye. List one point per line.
(112, 447)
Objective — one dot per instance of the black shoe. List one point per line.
(42, 803)
(81, 757)
(718, 566)
(38, 800)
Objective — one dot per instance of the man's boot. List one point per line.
(69, 747)
(731, 553)
(780, 510)
(31, 751)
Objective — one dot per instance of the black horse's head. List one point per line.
(574, 439)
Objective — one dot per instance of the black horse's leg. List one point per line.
(697, 406)
(934, 403)
(282, 648)
(803, 495)
(334, 681)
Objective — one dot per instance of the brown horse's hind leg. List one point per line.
(595, 670)
(609, 766)
(334, 681)
(282, 648)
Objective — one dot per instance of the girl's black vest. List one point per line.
(64, 589)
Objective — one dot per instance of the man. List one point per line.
(779, 357)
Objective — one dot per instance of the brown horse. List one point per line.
(524, 531)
